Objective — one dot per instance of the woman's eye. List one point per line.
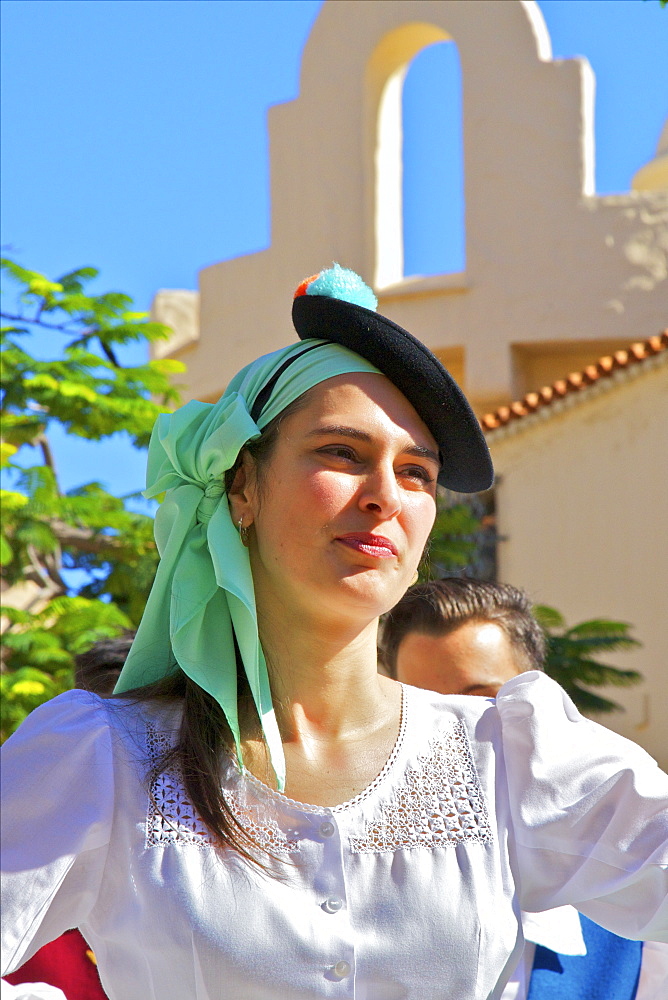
(340, 451)
(418, 472)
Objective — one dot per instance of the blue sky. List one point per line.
(134, 136)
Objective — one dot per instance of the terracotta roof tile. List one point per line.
(605, 367)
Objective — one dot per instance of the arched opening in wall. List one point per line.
(434, 236)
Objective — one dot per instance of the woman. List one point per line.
(261, 815)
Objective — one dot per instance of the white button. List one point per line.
(327, 829)
(332, 905)
(342, 969)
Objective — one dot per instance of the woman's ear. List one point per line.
(242, 494)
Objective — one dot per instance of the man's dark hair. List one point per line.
(441, 606)
(98, 668)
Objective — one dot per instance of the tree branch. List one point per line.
(51, 587)
(109, 353)
(45, 447)
(65, 328)
(83, 539)
(54, 564)
(38, 321)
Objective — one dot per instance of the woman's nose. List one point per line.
(380, 493)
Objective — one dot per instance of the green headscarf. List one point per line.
(203, 596)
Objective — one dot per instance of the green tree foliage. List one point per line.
(453, 541)
(463, 539)
(572, 657)
(82, 387)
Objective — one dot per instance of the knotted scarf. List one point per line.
(202, 598)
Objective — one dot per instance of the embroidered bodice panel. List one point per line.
(173, 819)
(437, 802)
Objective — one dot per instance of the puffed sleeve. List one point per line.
(589, 811)
(58, 793)
(30, 991)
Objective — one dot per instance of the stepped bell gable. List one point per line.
(555, 276)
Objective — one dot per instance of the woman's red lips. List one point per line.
(371, 545)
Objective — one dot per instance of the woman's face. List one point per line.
(342, 510)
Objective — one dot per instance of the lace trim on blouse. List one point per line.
(439, 804)
(173, 819)
(305, 807)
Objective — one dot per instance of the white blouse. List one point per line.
(410, 890)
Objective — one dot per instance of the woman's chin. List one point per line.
(372, 587)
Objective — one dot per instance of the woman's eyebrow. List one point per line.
(341, 431)
(421, 452)
(481, 689)
(352, 432)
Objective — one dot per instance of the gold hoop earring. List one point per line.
(243, 532)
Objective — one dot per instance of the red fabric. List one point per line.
(301, 289)
(63, 963)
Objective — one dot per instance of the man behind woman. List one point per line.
(468, 637)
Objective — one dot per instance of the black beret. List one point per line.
(411, 366)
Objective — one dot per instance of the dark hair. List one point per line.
(441, 606)
(204, 735)
(261, 448)
(98, 668)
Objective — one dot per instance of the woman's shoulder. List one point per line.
(74, 714)
(71, 710)
(531, 718)
(434, 709)
(529, 695)
(535, 710)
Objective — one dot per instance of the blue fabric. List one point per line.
(609, 971)
(339, 283)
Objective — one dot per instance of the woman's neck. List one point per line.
(338, 717)
(323, 677)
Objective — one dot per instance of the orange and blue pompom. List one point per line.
(338, 282)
